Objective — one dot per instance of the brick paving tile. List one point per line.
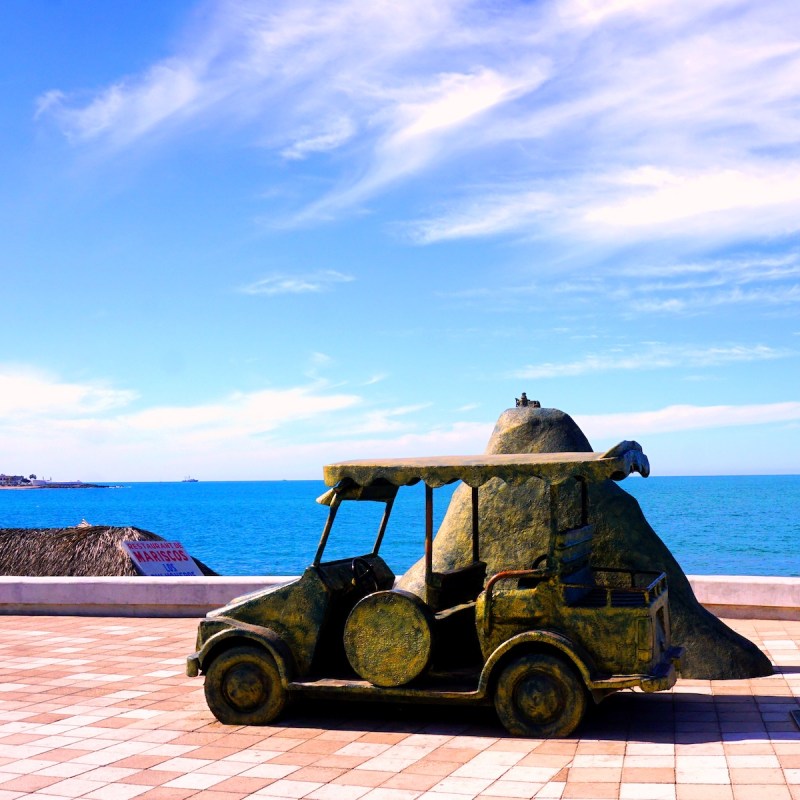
(594, 775)
(321, 774)
(648, 775)
(333, 791)
(382, 738)
(699, 791)
(339, 761)
(242, 785)
(468, 786)
(451, 754)
(112, 716)
(516, 789)
(216, 794)
(295, 759)
(162, 793)
(27, 783)
(591, 791)
(506, 797)
(364, 777)
(317, 746)
(411, 780)
(288, 788)
(554, 747)
(383, 793)
(764, 792)
(647, 791)
(150, 778)
(271, 771)
(426, 766)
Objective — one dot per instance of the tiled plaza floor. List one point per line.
(101, 708)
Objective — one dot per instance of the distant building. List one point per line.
(14, 480)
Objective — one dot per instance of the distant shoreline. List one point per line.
(55, 486)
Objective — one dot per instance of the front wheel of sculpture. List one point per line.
(243, 687)
(540, 695)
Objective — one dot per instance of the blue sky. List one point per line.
(243, 239)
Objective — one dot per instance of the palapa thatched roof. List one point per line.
(86, 550)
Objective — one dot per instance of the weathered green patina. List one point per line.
(538, 641)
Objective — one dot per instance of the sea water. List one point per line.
(742, 525)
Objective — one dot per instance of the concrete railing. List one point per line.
(126, 596)
(742, 597)
(724, 595)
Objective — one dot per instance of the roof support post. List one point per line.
(334, 507)
(384, 520)
(428, 534)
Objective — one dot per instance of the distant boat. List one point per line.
(189, 479)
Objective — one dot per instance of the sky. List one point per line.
(241, 239)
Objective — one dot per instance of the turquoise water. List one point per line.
(742, 525)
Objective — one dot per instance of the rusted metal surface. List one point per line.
(616, 464)
(538, 643)
(388, 638)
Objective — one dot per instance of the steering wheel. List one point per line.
(364, 577)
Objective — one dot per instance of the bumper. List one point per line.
(666, 672)
(193, 665)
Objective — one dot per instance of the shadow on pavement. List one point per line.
(682, 718)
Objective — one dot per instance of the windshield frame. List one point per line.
(335, 502)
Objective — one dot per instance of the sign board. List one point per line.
(161, 559)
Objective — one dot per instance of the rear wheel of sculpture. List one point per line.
(540, 695)
(243, 687)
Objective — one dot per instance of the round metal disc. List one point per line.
(388, 638)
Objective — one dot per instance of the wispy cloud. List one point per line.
(676, 288)
(615, 121)
(650, 357)
(673, 419)
(491, 215)
(313, 282)
(89, 431)
(29, 394)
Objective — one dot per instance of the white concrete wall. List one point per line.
(126, 597)
(742, 597)
(726, 596)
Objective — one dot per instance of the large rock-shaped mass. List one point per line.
(514, 528)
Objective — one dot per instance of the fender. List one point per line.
(265, 637)
(575, 654)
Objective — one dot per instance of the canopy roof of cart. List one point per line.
(514, 468)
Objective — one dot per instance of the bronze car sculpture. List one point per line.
(538, 643)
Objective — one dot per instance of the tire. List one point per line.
(243, 687)
(540, 695)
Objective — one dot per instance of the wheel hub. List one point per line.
(538, 698)
(244, 687)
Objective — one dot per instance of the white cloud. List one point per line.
(32, 394)
(673, 419)
(72, 430)
(650, 357)
(313, 282)
(681, 288)
(128, 110)
(708, 300)
(238, 414)
(659, 199)
(490, 216)
(337, 131)
(598, 121)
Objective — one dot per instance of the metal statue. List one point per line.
(539, 643)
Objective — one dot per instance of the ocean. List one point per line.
(738, 525)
